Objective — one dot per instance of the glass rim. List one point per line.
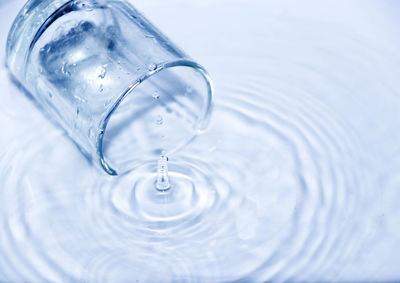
(130, 89)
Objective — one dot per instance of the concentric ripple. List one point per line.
(258, 191)
(281, 187)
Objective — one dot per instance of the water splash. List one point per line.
(162, 174)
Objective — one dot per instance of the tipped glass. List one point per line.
(122, 90)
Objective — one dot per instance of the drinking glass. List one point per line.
(119, 87)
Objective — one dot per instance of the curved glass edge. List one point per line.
(24, 29)
(177, 63)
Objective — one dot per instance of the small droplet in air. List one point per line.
(162, 174)
(159, 120)
(78, 110)
(101, 88)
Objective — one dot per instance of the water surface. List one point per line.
(296, 178)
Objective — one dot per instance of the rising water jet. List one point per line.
(162, 174)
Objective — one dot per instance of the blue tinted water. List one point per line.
(296, 178)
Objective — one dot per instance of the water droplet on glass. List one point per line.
(103, 72)
(152, 67)
(83, 6)
(80, 99)
(156, 95)
(107, 103)
(58, 33)
(212, 149)
(159, 120)
(45, 49)
(65, 71)
(91, 133)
